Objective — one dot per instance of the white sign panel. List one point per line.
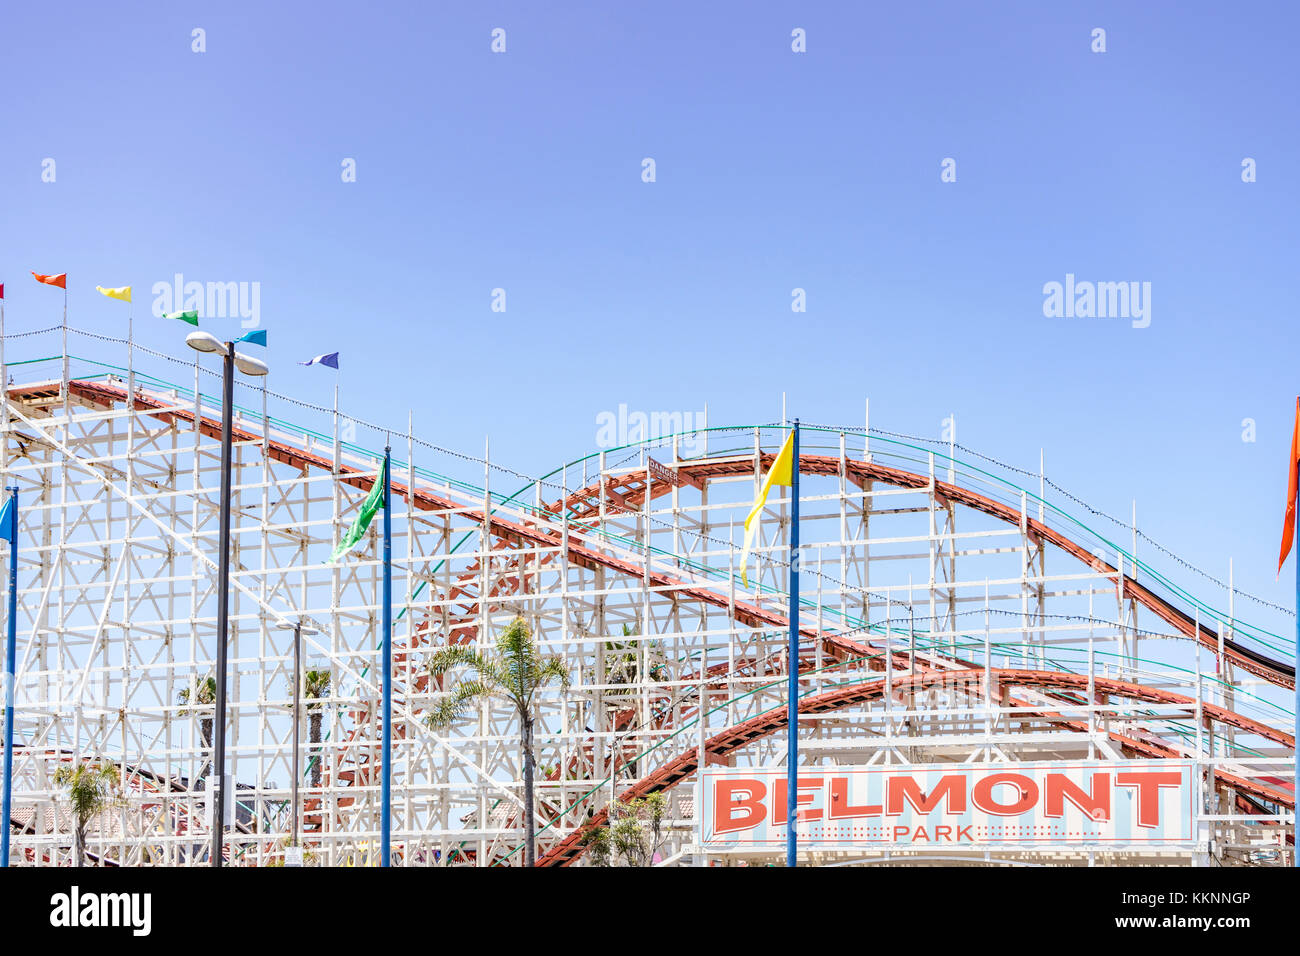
(1100, 803)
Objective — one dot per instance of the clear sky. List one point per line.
(774, 170)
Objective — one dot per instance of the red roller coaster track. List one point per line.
(732, 739)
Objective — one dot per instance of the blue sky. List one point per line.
(774, 171)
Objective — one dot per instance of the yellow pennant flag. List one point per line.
(122, 292)
(781, 474)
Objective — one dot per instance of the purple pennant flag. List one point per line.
(331, 359)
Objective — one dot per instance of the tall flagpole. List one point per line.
(10, 665)
(792, 665)
(1295, 813)
(130, 358)
(386, 791)
(65, 335)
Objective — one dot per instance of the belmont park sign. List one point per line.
(1108, 803)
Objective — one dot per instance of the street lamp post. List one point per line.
(206, 342)
(297, 721)
(298, 631)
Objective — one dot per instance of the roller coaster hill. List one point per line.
(954, 613)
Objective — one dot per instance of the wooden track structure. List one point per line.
(522, 543)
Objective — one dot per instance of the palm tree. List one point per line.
(201, 697)
(623, 663)
(515, 674)
(316, 687)
(92, 789)
(634, 834)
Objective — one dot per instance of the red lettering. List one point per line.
(841, 809)
(951, 786)
(1058, 788)
(901, 831)
(780, 790)
(1148, 784)
(984, 799)
(732, 795)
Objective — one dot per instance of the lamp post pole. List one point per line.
(223, 603)
(297, 712)
(205, 342)
(11, 637)
(386, 782)
(295, 814)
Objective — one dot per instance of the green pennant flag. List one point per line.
(374, 501)
(191, 317)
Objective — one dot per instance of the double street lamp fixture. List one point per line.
(206, 342)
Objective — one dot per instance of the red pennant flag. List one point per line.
(2, 290)
(60, 280)
(1288, 529)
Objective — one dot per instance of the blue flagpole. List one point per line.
(792, 698)
(11, 532)
(387, 784)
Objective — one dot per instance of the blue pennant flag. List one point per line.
(9, 522)
(256, 337)
(331, 359)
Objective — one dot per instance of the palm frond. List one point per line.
(517, 658)
(446, 659)
(316, 684)
(493, 673)
(455, 704)
(515, 673)
(516, 641)
(552, 669)
(203, 693)
(91, 787)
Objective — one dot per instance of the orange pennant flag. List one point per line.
(60, 280)
(1288, 529)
